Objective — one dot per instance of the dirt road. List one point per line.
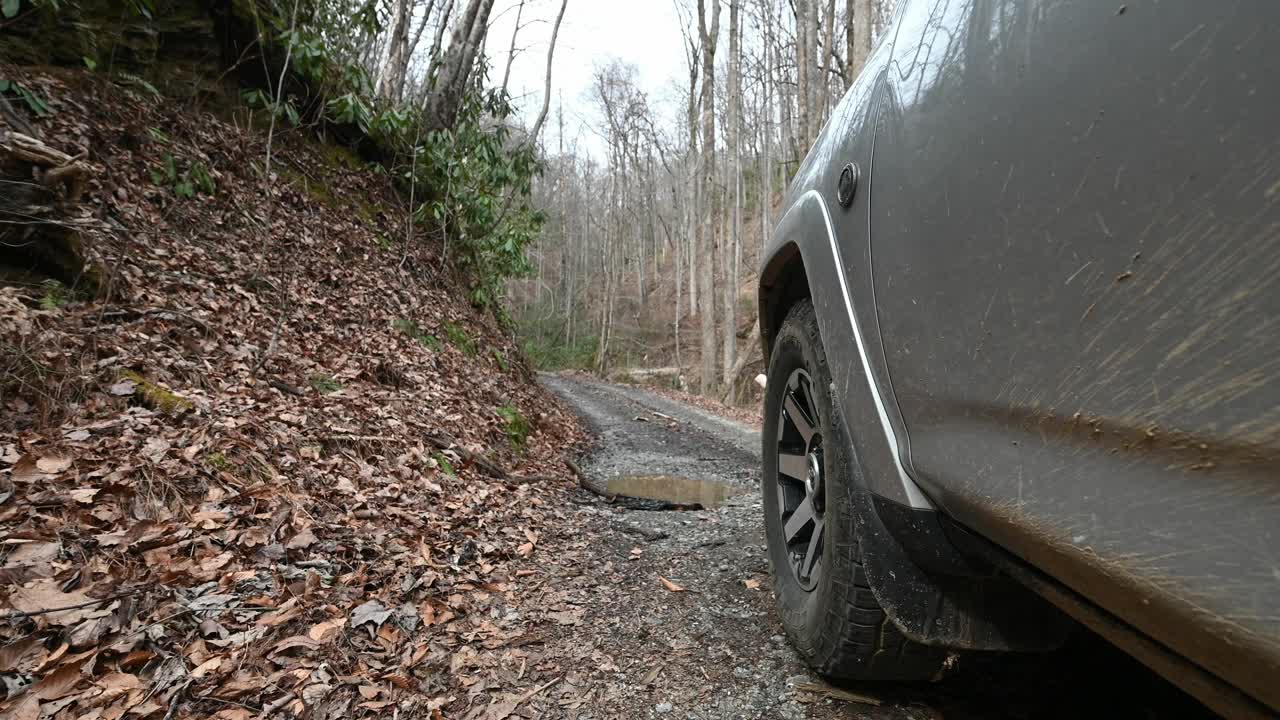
(668, 613)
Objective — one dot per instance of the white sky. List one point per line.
(645, 33)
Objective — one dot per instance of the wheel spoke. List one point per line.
(806, 397)
(815, 547)
(793, 466)
(804, 426)
(802, 516)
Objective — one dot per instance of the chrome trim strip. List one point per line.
(915, 497)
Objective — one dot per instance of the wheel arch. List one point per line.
(784, 281)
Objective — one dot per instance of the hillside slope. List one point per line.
(264, 452)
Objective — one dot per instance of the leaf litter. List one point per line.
(190, 528)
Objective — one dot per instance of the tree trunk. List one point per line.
(753, 342)
(511, 51)
(804, 56)
(546, 96)
(691, 219)
(456, 68)
(828, 54)
(413, 47)
(709, 39)
(730, 263)
(397, 64)
(858, 35)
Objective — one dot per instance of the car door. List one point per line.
(1076, 260)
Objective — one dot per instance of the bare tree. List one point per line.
(663, 228)
(546, 95)
(709, 37)
(511, 52)
(730, 257)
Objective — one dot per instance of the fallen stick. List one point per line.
(527, 696)
(19, 613)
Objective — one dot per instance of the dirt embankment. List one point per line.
(274, 462)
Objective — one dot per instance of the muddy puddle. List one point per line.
(680, 491)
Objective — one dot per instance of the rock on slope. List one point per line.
(277, 463)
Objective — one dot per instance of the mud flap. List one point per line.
(938, 596)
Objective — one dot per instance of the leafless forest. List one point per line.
(648, 256)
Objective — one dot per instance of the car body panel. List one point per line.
(834, 246)
(1076, 269)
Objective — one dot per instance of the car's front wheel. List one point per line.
(826, 604)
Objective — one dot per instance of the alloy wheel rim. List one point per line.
(801, 480)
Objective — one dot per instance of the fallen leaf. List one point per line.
(44, 594)
(123, 388)
(752, 584)
(53, 464)
(117, 683)
(326, 631)
(34, 554)
(83, 496)
(499, 711)
(314, 693)
(369, 612)
(25, 470)
(60, 682)
(21, 655)
(155, 449)
(283, 614)
(301, 541)
(28, 708)
(670, 585)
(207, 667)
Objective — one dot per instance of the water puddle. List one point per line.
(678, 491)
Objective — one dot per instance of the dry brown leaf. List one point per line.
(207, 667)
(28, 708)
(499, 711)
(136, 659)
(286, 612)
(25, 470)
(21, 655)
(54, 656)
(84, 496)
(399, 681)
(116, 684)
(44, 594)
(53, 464)
(302, 540)
(670, 585)
(326, 631)
(34, 554)
(752, 584)
(60, 682)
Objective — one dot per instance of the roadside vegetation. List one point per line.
(267, 448)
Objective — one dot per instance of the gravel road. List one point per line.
(672, 614)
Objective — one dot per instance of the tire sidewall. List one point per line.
(804, 613)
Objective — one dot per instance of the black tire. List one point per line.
(830, 614)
